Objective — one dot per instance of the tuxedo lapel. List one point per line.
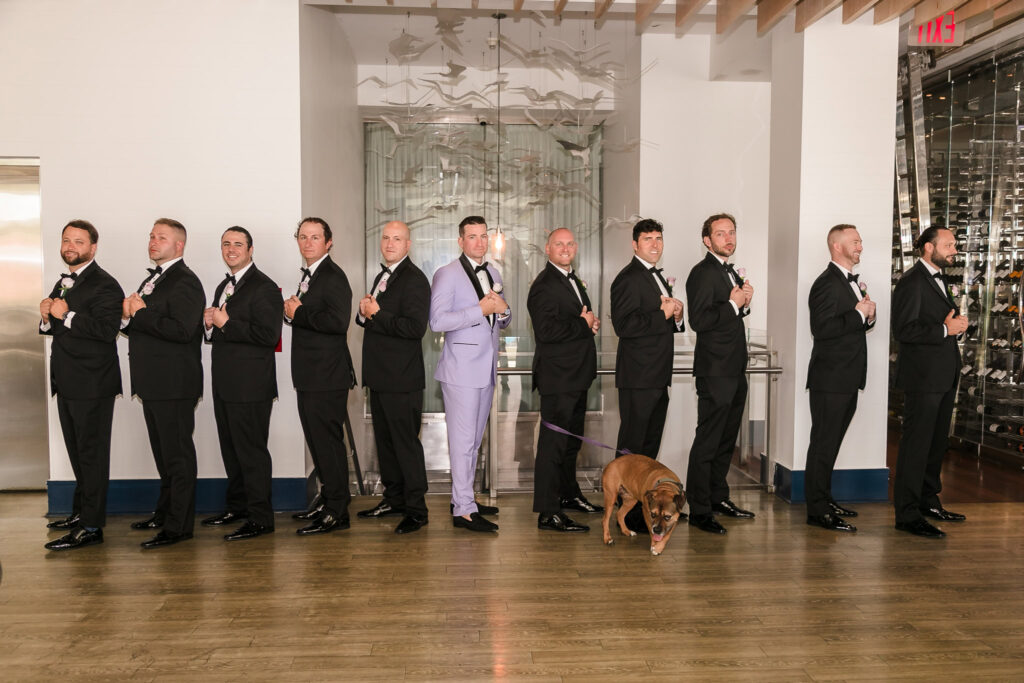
(566, 284)
(471, 274)
(844, 282)
(938, 287)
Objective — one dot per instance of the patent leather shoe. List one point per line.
(707, 523)
(942, 514)
(325, 523)
(581, 504)
(920, 527)
(382, 509)
(250, 529)
(224, 518)
(78, 538)
(410, 523)
(67, 523)
(316, 507)
(165, 538)
(840, 511)
(474, 523)
(481, 508)
(558, 522)
(831, 522)
(153, 522)
(729, 509)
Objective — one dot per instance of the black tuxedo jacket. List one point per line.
(839, 359)
(242, 358)
(644, 356)
(928, 362)
(721, 349)
(392, 342)
(566, 357)
(83, 357)
(165, 338)
(320, 357)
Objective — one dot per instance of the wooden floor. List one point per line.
(774, 600)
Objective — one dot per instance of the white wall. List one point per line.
(180, 108)
(708, 152)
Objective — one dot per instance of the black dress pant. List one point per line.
(642, 420)
(396, 431)
(170, 425)
(831, 414)
(554, 470)
(322, 415)
(923, 445)
(720, 402)
(86, 424)
(243, 430)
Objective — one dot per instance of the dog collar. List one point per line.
(669, 481)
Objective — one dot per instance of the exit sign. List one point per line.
(939, 32)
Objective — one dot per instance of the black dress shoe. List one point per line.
(474, 523)
(410, 523)
(316, 507)
(165, 538)
(728, 508)
(225, 518)
(76, 539)
(66, 523)
(250, 529)
(840, 511)
(920, 527)
(830, 521)
(707, 523)
(381, 510)
(581, 504)
(943, 515)
(481, 508)
(153, 522)
(559, 523)
(326, 523)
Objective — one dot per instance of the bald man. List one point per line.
(394, 317)
(564, 365)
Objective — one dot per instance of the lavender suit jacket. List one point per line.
(470, 354)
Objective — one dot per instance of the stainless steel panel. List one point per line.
(23, 396)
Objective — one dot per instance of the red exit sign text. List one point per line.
(939, 32)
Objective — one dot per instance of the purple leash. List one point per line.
(592, 442)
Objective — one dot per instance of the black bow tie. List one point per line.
(483, 267)
(852, 277)
(155, 271)
(385, 269)
(940, 276)
(230, 278)
(306, 274)
(73, 276)
(655, 269)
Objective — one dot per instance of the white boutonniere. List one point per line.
(863, 287)
(228, 291)
(147, 289)
(583, 283)
(671, 282)
(497, 288)
(954, 290)
(382, 285)
(742, 273)
(303, 288)
(66, 284)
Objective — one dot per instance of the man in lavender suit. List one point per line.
(466, 304)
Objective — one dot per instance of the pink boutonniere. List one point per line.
(229, 290)
(671, 282)
(583, 283)
(863, 287)
(65, 284)
(954, 290)
(147, 289)
(382, 285)
(742, 272)
(303, 287)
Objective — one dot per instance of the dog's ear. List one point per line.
(680, 500)
(649, 497)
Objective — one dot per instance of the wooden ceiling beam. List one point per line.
(930, 9)
(559, 6)
(853, 9)
(890, 9)
(644, 10)
(1007, 12)
(516, 4)
(685, 9)
(600, 7)
(770, 12)
(728, 12)
(809, 11)
(976, 7)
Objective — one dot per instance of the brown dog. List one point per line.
(639, 478)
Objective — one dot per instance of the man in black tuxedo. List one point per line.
(322, 374)
(164, 324)
(841, 314)
(645, 315)
(926, 323)
(394, 318)
(564, 365)
(719, 299)
(244, 326)
(83, 314)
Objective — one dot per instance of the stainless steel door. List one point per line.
(24, 434)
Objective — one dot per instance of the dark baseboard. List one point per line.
(129, 496)
(849, 485)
